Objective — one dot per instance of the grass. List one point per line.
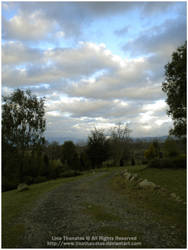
(158, 203)
(173, 180)
(14, 203)
(99, 213)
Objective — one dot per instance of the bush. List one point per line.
(180, 161)
(161, 163)
(9, 183)
(70, 173)
(144, 162)
(39, 179)
(28, 180)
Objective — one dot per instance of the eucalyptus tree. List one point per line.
(23, 123)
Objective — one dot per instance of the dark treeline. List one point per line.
(102, 149)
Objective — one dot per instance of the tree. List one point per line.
(150, 153)
(153, 151)
(175, 88)
(171, 147)
(23, 122)
(53, 150)
(70, 156)
(120, 143)
(97, 147)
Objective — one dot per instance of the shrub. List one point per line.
(39, 179)
(70, 173)
(9, 183)
(180, 161)
(154, 163)
(144, 162)
(28, 180)
(161, 163)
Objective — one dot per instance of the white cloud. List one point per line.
(33, 26)
(17, 53)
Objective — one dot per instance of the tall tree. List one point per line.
(120, 143)
(97, 147)
(175, 88)
(23, 122)
(69, 155)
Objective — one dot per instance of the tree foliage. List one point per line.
(175, 88)
(23, 120)
(98, 147)
(23, 125)
(120, 144)
(70, 156)
(153, 151)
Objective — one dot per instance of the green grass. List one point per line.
(99, 213)
(158, 203)
(14, 203)
(174, 180)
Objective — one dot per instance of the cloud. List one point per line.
(15, 53)
(55, 65)
(160, 39)
(34, 20)
(122, 31)
(50, 48)
(89, 71)
(33, 26)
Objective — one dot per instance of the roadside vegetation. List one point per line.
(159, 202)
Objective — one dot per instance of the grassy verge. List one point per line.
(164, 209)
(174, 180)
(14, 203)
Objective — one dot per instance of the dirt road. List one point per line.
(88, 209)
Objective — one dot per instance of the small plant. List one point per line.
(40, 179)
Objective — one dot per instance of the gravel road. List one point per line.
(89, 207)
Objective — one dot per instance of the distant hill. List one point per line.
(61, 140)
(151, 138)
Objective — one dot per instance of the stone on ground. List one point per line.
(22, 187)
(147, 184)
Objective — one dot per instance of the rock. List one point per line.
(125, 173)
(135, 178)
(132, 178)
(175, 197)
(22, 187)
(147, 184)
(128, 176)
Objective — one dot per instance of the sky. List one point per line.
(96, 63)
